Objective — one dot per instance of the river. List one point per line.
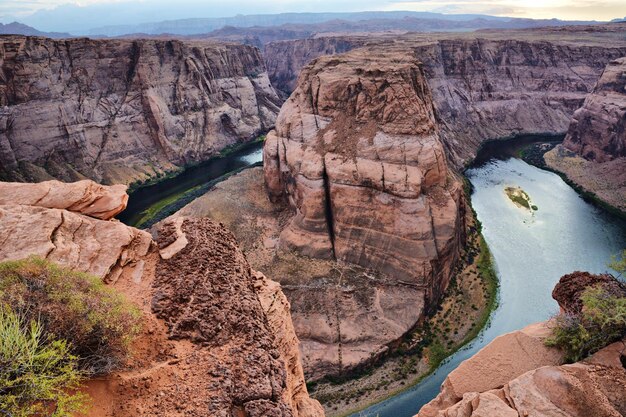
(531, 251)
(171, 194)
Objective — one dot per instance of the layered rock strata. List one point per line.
(83, 197)
(517, 375)
(217, 338)
(481, 88)
(356, 153)
(285, 59)
(119, 110)
(598, 129)
(593, 154)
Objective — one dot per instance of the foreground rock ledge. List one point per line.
(517, 375)
(217, 337)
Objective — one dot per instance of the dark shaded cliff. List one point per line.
(285, 59)
(120, 110)
(593, 154)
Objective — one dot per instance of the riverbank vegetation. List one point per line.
(463, 312)
(157, 177)
(57, 326)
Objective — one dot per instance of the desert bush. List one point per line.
(37, 377)
(601, 322)
(95, 320)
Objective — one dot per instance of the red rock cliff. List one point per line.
(356, 152)
(481, 88)
(598, 128)
(120, 110)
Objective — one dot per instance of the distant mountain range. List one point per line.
(17, 28)
(262, 28)
(331, 22)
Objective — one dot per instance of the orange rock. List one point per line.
(83, 197)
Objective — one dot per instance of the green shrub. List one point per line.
(95, 320)
(602, 322)
(37, 377)
(619, 262)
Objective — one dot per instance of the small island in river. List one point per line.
(520, 198)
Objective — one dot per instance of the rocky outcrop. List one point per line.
(102, 248)
(570, 287)
(356, 153)
(504, 359)
(117, 111)
(482, 89)
(593, 154)
(593, 387)
(83, 197)
(517, 375)
(217, 338)
(598, 129)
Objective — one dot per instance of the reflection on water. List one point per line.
(531, 252)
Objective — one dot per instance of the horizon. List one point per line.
(83, 15)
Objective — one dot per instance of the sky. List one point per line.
(48, 13)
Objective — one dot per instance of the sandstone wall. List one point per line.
(356, 153)
(285, 59)
(481, 88)
(119, 110)
(598, 129)
(593, 154)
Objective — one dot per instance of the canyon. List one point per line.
(593, 154)
(118, 111)
(360, 212)
(217, 336)
(487, 84)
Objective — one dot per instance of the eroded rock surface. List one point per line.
(356, 153)
(593, 154)
(598, 129)
(120, 110)
(217, 338)
(285, 59)
(83, 197)
(102, 248)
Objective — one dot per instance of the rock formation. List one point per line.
(217, 337)
(356, 153)
(83, 197)
(593, 154)
(118, 110)
(482, 89)
(516, 374)
(598, 129)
